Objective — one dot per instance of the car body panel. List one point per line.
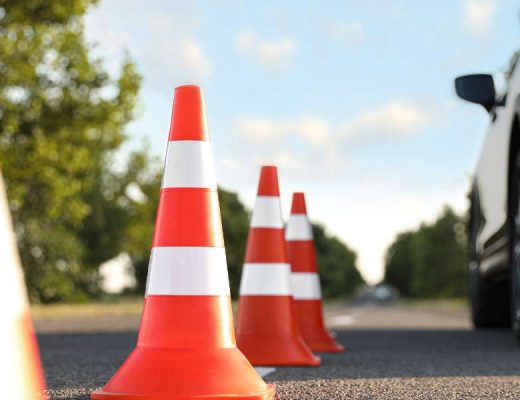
(491, 179)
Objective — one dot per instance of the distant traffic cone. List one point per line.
(305, 279)
(21, 376)
(267, 329)
(186, 345)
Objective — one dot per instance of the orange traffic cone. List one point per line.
(186, 345)
(267, 329)
(305, 279)
(21, 374)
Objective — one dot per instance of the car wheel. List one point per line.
(489, 298)
(489, 302)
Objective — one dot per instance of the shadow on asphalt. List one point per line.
(75, 364)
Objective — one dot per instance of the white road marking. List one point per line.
(264, 371)
(342, 320)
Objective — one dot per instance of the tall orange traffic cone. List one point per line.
(305, 280)
(21, 374)
(186, 345)
(267, 329)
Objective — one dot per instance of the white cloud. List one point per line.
(478, 15)
(392, 120)
(162, 40)
(179, 60)
(301, 143)
(350, 33)
(319, 149)
(287, 160)
(274, 54)
(314, 155)
(194, 58)
(313, 129)
(183, 61)
(312, 145)
(109, 42)
(261, 129)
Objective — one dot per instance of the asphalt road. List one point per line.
(396, 352)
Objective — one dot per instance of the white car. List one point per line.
(494, 226)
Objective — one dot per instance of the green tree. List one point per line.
(62, 119)
(235, 224)
(337, 265)
(399, 262)
(127, 215)
(430, 262)
(441, 269)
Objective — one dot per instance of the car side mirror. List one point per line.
(477, 88)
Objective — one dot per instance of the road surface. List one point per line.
(393, 352)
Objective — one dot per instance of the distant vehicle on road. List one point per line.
(382, 293)
(494, 226)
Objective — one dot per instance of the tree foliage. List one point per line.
(430, 262)
(339, 275)
(235, 224)
(62, 119)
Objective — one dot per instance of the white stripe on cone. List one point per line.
(267, 213)
(188, 271)
(12, 286)
(189, 163)
(306, 286)
(298, 228)
(268, 279)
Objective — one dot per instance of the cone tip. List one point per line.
(298, 203)
(182, 87)
(189, 114)
(268, 184)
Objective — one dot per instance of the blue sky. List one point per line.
(352, 100)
